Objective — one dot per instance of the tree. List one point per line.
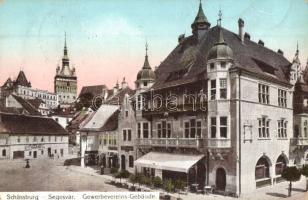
(291, 174)
(305, 173)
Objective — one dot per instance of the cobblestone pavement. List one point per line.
(51, 175)
(48, 175)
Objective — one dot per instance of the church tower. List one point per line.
(65, 82)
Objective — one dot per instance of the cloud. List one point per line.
(111, 26)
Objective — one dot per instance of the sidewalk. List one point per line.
(279, 191)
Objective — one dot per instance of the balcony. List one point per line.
(299, 141)
(175, 109)
(184, 142)
(218, 143)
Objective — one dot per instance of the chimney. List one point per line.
(181, 38)
(280, 51)
(247, 36)
(241, 29)
(261, 43)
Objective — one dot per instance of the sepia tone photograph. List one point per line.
(125, 99)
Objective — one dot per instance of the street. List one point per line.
(51, 175)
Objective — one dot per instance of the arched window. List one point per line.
(281, 164)
(262, 169)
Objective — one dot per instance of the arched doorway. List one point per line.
(281, 164)
(262, 169)
(220, 179)
(123, 162)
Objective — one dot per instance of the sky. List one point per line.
(106, 38)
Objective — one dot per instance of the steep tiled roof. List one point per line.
(27, 106)
(118, 98)
(22, 124)
(100, 117)
(95, 90)
(191, 56)
(112, 122)
(22, 80)
(35, 102)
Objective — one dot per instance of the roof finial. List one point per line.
(65, 47)
(219, 17)
(146, 48)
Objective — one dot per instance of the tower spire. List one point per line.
(65, 47)
(221, 37)
(200, 24)
(146, 64)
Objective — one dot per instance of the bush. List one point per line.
(157, 182)
(168, 185)
(179, 184)
(124, 174)
(133, 179)
(114, 170)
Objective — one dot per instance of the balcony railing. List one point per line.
(184, 142)
(218, 143)
(299, 141)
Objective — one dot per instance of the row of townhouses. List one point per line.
(220, 110)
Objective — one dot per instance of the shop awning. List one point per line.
(168, 161)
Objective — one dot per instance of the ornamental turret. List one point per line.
(200, 24)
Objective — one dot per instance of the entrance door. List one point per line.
(49, 152)
(123, 162)
(34, 154)
(221, 179)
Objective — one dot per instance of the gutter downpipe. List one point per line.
(240, 135)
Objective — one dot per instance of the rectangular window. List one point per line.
(145, 130)
(282, 98)
(126, 113)
(213, 127)
(18, 139)
(164, 129)
(139, 130)
(124, 135)
(223, 88)
(192, 128)
(159, 130)
(263, 91)
(199, 129)
(223, 65)
(129, 135)
(223, 127)
(212, 66)
(131, 161)
(213, 89)
(186, 129)
(169, 130)
(282, 128)
(264, 127)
